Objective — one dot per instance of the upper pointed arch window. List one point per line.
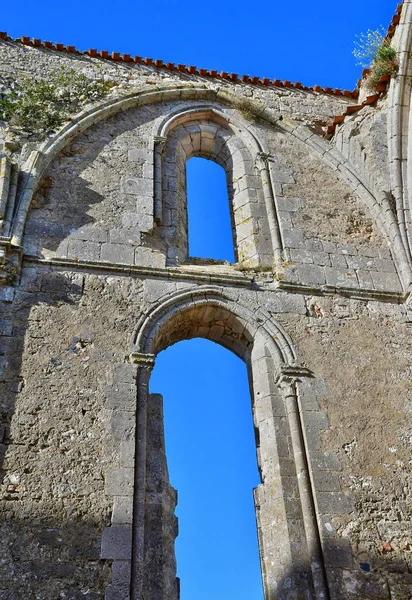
(206, 134)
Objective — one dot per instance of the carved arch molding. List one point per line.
(21, 181)
(289, 538)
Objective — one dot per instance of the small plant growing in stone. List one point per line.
(367, 45)
(41, 107)
(374, 51)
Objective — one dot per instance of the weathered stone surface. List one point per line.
(314, 305)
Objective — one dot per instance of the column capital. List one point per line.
(10, 261)
(262, 159)
(291, 374)
(143, 361)
(160, 139)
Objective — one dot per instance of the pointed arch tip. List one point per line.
(254, 323)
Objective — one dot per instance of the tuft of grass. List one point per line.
(367, 45)
(374, 51)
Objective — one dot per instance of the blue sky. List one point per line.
(302, 41)
(209, 430)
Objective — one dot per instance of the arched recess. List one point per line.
(18, 191)
(206, 132)
(289, 541)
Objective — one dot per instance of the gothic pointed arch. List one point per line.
(292, 550)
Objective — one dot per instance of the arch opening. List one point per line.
(210, 220)
(266, 349)
(208, 137)
(211, 456)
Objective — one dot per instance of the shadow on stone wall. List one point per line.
(50, 528)
(50, 544)
(79, 198)
(50, 560)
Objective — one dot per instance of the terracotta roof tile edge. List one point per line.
(191, 70)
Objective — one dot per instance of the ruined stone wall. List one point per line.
(96, 281)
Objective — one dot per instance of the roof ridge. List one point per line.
(182, 68)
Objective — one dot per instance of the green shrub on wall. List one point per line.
(40, 106)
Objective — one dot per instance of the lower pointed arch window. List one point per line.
(210, 226)
(211, 454)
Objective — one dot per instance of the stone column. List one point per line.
(159, 577)
(287, 382)
(145, 364)
(154, 523)
(261, 163)
(159, 144)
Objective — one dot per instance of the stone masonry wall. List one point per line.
(63, 330)
(88, 297)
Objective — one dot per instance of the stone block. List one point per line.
(292, 238)
(313, 244)
(360, 262)
(325, 481)
(365, 279)
(314, 419)
(386, 281)
(324, 461)
(121, 573)
(153, 289)
(329, 247)
(122, 510)
(89, 234)
(117, 592)
(338, 554)
(140, 155)
(122, 425)
(289, 204)
(125, 373)
(312, 388)
(117, 254)
(6, 327)
(146, 257)
(341, 277)
(30, 280)
(81, 250)
(127, 453)
(338, 260)
(321, 258)
(385, 265)
(126, 235)
(368, 251)
(121, 396)
(335, 503)
(6, 294)
(119, 482)
(306, 274)
(144, 206)
(283, 303)
(347, 249)
(137, 186)
(117, 542)
(285, 219)
(384, 252)
(301, 256)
